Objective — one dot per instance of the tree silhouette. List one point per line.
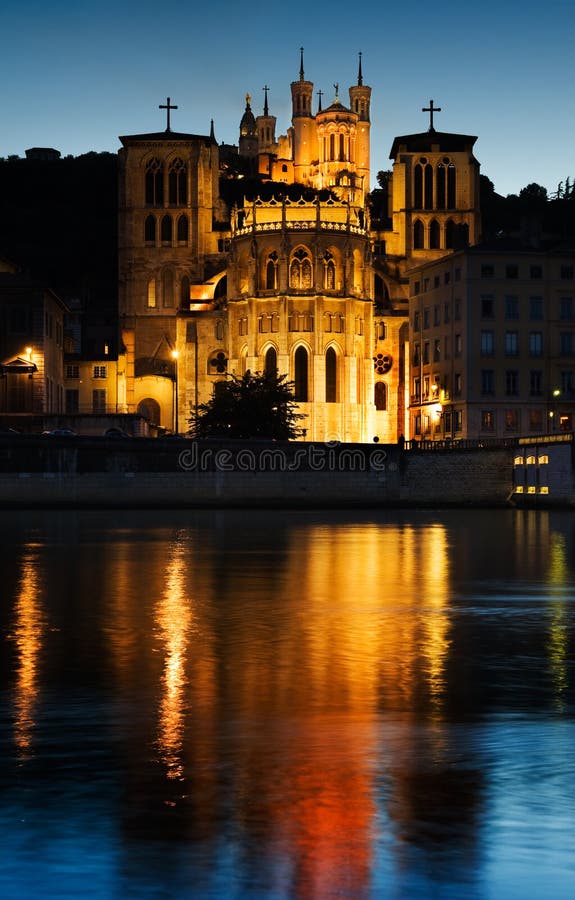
(253, 406)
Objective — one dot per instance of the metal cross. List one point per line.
(431, 109)
(167, 106)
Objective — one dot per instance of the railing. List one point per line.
(299, 225)
(460, 443)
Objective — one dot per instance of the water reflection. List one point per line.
(298, 706)
(29, 626)
(173, 620)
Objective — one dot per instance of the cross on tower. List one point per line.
(320, 95)
(167, 106)
(431, 109)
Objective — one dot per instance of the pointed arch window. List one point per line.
(168, 288)
(272, 272)
(380, 395)
(440, 184)
(166, 230)
(154, 183)
(328, 271)
(183, 230)
(300, 270)
(178, 183)
(451, 187)
(428, 186)
(330, 375)
(271, 361)
(150, 230)
(301, 375)
(418, 235)
(434, 235)
(418, 187)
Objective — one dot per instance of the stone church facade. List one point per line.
(309, 286)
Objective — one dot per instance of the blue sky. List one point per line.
(75, 75)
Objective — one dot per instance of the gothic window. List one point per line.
(434, 235)
(272, 272)
(183, 230)
(166, 230)
(440, 187)
(154, 183)
(185, 290)
(418, 187)
(380, 395)
(329, 271)
(451, 187)
(150, 230)
(178, 183)
(382, 363)
(450, 232)
(428, 186)
(271, 361)
(217, 363)
(418, 235)
(300, 270)
(301, 375)
(168, 287)
(151, 293)
(330, 375)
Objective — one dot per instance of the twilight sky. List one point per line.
(75, 74)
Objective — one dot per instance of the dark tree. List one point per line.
(253, 406)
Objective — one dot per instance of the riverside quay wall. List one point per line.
(85, 471)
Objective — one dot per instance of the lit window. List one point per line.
(99, 371)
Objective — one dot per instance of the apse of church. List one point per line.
(288, 279)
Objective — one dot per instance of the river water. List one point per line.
(287, 705)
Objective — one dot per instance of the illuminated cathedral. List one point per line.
(310, 284)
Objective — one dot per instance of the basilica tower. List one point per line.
(304, 140)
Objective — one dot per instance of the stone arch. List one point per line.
(380, 395)
(418, 235)
(150, 410)
(332, 372)
(270, 356)
(301, 369)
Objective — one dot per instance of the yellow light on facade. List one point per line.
(175, 354)
(29, 353)
(436, 411)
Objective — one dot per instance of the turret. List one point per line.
(359, 101)
(303, 124)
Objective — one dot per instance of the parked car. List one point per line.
(116, 433)
(60, 432)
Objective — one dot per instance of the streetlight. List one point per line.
(175, 354)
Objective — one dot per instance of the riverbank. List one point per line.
(84, 471)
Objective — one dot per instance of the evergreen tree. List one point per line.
(253, 406)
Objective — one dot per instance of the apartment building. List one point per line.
(492, 342)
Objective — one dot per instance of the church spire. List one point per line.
(301, 74)
(265, 90)
(360, 73)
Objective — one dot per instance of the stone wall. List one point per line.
(171, 472)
